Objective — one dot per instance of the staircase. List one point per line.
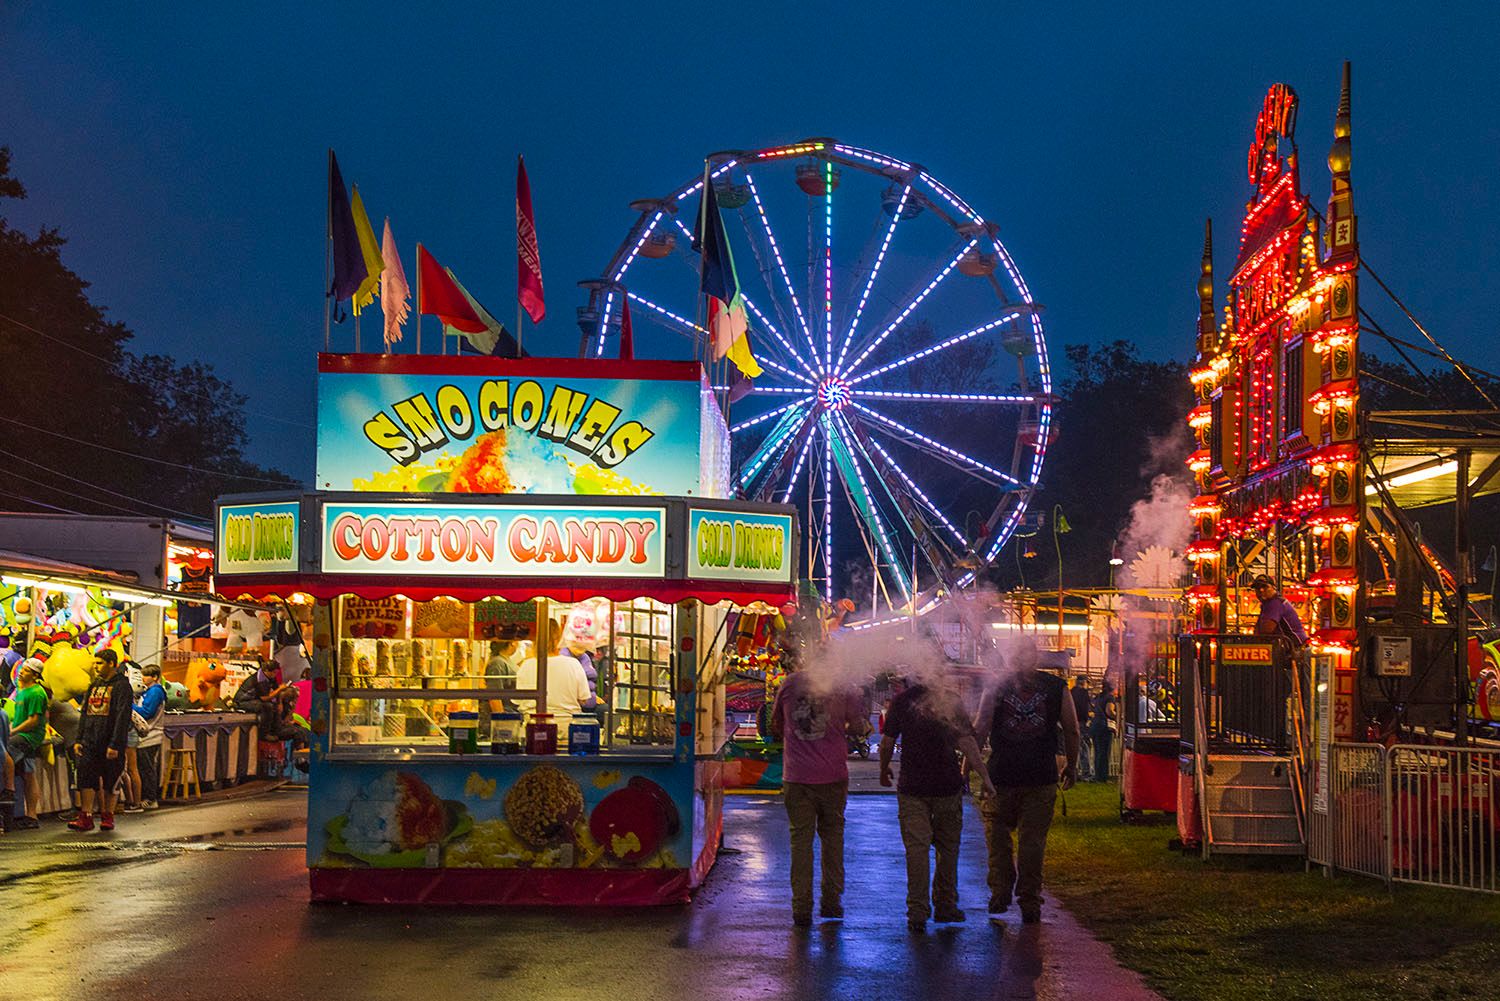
(1250, 806)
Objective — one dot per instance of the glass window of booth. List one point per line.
(403, 669)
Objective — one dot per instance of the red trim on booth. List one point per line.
(575, 368)
(509, 589)
(514, 887)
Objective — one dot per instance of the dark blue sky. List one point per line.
(182, 151)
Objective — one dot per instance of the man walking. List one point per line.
(811, 717)
(101, 742)
(930, 722)
(1019, 717)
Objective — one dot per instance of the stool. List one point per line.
(272, 755)
(181, 774)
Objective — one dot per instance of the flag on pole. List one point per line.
(727, 324)
(627, 335)
(369, 251)
(528, 257)
(349, 269)
(395, 294)
(462, 315)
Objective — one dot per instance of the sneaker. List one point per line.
(106, 821)
(133, 808)
(917, 926)
(1031, 915)
(81, 822)
(802, 920)
(25, 824)
(950, 917)
(999, 905)
(150, 804)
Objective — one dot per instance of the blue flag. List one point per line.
(349, 270)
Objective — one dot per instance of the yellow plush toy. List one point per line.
(203, 678)
(67, 672)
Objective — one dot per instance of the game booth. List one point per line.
(521, 575)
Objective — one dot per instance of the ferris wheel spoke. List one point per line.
(765, 222)
(917, 356)
(911, 485)
(925, 443)
(827, 266)
(785, 431)
(911, 306)
(791, 482)
(780, 337)
(762, 418)
(1018, 399)
(666, 317)
(862, 500)
(864, 296)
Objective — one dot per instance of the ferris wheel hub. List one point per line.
(834, 393)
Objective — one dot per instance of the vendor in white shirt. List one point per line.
(567, 684)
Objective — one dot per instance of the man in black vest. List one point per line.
(1019, 717)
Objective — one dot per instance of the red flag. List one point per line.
(627, 336)
(528, 258)
(442, 298)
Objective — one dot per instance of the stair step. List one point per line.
(1257, 848)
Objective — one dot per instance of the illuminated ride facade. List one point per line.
(1300, 480)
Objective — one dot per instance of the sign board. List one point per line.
(257, 538)
(1393, 656)
(474, 540)
(739, 545)
(463, 424)
(1248, 652)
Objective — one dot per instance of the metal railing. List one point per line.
(1413, 814)
(1245, 706)
(1442, 818)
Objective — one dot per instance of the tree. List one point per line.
(83, 417)
(1118, 420)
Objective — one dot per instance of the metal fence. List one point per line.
(1443, 820)
(1412, 814)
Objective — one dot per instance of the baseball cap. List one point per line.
(1263, 579)
(32, 664)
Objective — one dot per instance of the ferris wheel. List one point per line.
(906, 399)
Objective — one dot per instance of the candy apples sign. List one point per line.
(422, 540)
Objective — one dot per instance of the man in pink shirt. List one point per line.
(810, 717)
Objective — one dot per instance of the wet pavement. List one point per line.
(211, 902)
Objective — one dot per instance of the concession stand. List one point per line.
(455, 757)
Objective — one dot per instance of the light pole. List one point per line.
(1114, 561)
(1060, 527)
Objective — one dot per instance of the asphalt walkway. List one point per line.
(211, 902)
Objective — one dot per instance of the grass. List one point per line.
(1246, 929)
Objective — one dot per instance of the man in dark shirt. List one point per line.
(261, 694)
(1019, 718)
(930, 721)
(101, 742)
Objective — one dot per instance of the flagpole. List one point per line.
(328, 252)
(418, 259)
(519, 314)
(356, 329)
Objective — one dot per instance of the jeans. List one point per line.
(930, 823)
(816, 809)
(148, 760)
(1024, 812)
(1101, 741)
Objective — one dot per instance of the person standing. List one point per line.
(26, 740)
(568, 691)
(1019, 718)
(930, 722)
(1100, 735)
(150, 710)
(813, 716)
(101, 742)
(1277, 616)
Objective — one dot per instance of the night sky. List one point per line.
(182, 152)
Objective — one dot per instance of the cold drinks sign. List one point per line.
(421, 540)
(258, 538)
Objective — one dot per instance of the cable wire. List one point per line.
(93, 486)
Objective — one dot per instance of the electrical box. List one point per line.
(1393, 656)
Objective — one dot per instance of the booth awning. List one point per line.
(264, 588)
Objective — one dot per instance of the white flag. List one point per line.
(395, 294)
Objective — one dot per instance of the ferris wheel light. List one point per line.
(911, 306)
(933, 442)
(828, 267)
(912, 486)
(768, 415)
(876, 394)
(859, 473)
(791, 482)
(874, 271)
(765, 222)
(776, 332)
(925, 352)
